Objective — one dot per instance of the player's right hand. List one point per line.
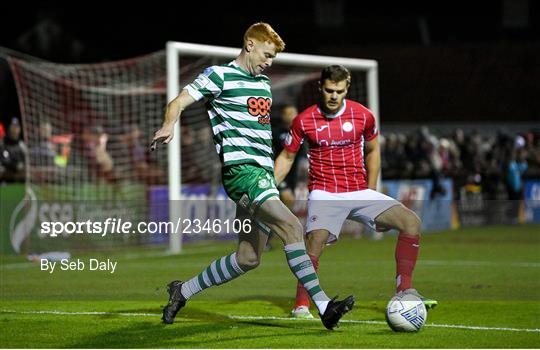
(163, 135)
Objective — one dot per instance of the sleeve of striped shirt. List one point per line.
(370, 130)
(294, 139)
(208, 84)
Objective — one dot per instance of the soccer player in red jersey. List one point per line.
(343, 179)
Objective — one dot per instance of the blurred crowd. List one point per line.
(494, 163)
(12, 153)
(91, 153)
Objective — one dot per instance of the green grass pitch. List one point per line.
(487, 281)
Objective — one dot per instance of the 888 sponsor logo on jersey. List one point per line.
(260, 107)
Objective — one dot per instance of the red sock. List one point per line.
(406, 254)
(302, 296)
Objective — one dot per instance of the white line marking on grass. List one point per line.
(262, 318)
(77, 313)
(535, 330)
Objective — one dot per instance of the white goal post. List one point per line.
(175, 52)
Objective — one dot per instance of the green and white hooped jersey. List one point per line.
(239, 109)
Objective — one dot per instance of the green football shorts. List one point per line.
(249, 185)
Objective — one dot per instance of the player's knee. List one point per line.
(293, 230)
(289, 229)
(317, 237)
(315, 243)
(412, 223)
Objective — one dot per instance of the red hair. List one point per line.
(264, 32)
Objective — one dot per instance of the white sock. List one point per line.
(321, 305)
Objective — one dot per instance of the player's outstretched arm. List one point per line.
(283, 165)
(172, 113)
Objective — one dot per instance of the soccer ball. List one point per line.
(406, 313)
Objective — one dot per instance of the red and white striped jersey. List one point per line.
(336, 145)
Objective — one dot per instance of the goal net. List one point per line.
(86, 127)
